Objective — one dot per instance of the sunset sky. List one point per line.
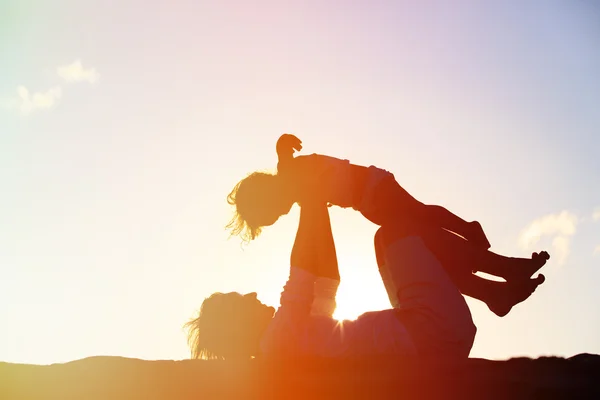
(124, 125)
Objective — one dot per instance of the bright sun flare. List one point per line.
(352, 303)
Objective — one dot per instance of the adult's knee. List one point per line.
(466, 335)
(379, 247)
(470, 332)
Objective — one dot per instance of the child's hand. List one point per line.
(286, 146)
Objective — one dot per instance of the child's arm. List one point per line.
(286, 146)
(299, 173)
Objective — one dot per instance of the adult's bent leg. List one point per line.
(500, 297)
(428, 302)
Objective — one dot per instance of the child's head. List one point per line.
(229, 326)
(259, 200)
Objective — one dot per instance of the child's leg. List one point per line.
(455, 253)
(380, 199)
(459, 256)
(500, 297)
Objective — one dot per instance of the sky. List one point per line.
(123, 128)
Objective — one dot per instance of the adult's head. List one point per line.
(228, 326)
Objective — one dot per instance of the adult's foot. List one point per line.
(512, 293)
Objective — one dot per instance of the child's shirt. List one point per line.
(332, 180)
(303, 325)
(327, 177)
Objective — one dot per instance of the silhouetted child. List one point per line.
(261, 198)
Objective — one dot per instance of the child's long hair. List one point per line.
(247, 196)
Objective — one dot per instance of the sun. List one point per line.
(357, 295)
(346, 312)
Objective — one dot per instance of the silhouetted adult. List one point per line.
(428, 317)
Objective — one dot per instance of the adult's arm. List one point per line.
(311, 286)
(328, 276)
(314, 275)
(314, 247)
(313, 258)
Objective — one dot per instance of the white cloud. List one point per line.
(75, 72)
(27, 102)
(597, 250)
(596, 214)
(560, 227)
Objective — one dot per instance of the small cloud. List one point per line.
(597, 250)
(560, 227)
(75, 72)
(27, 102)
(596, 214)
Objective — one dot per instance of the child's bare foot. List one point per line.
(511, 294)
(477, 236)
(523, 268)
